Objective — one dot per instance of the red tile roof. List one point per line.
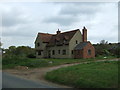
(57, 39)
(45, 37)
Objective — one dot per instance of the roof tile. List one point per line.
(57, 39)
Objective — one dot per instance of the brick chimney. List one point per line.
(58, 31)
(84, 36)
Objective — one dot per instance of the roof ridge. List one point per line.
(70, 31)
(60, 33)
(45, 33)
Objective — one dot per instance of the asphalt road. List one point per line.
(11, 81)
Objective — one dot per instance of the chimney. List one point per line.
(84, 36)
(58, 31)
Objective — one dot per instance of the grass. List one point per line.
(91, 75)
(11, 62)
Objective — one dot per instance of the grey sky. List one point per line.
(22, 21)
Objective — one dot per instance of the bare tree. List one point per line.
(103, 42)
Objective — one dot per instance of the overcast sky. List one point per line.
(22, 21)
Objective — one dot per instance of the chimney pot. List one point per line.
(58, 31)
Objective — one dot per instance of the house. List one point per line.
(70, 44)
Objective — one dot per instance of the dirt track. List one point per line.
(37, 74)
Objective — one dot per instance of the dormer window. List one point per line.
(65, 39)
(57, 40)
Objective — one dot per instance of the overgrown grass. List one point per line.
(91, 75)
(12, 61)
(23, 61)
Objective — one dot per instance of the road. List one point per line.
(11, 81)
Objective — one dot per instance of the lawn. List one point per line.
(91, 75)
(11, 62)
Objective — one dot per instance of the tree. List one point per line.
(23, 51)
(102, 48)
(12, 49)
(103, 42)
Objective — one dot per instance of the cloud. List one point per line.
(19, 41)
(22, 21)
(61, 20)
(13, 16)
(79, 8)
(70, 13)
(18, 31)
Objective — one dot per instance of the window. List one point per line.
(89, 52)
(38, 44)
(64, 52)
(53, 52)
(58, 51)
(39, 52)
(72, 51)
(56, 41)
(76, 42)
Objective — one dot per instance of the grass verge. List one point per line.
(91, 75)
(11, 62)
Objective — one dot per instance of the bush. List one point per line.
(35, 63)
(31, 56)
(12, 60)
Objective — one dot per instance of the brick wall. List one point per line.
(86, 53)
(83, 53)
(78, 53)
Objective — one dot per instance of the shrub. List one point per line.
(12, 60)
(35, 63)
(31, 56)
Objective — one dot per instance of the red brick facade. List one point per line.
(87, 52)
(85, 48)
(78, 53)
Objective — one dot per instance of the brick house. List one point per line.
(70, 44)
